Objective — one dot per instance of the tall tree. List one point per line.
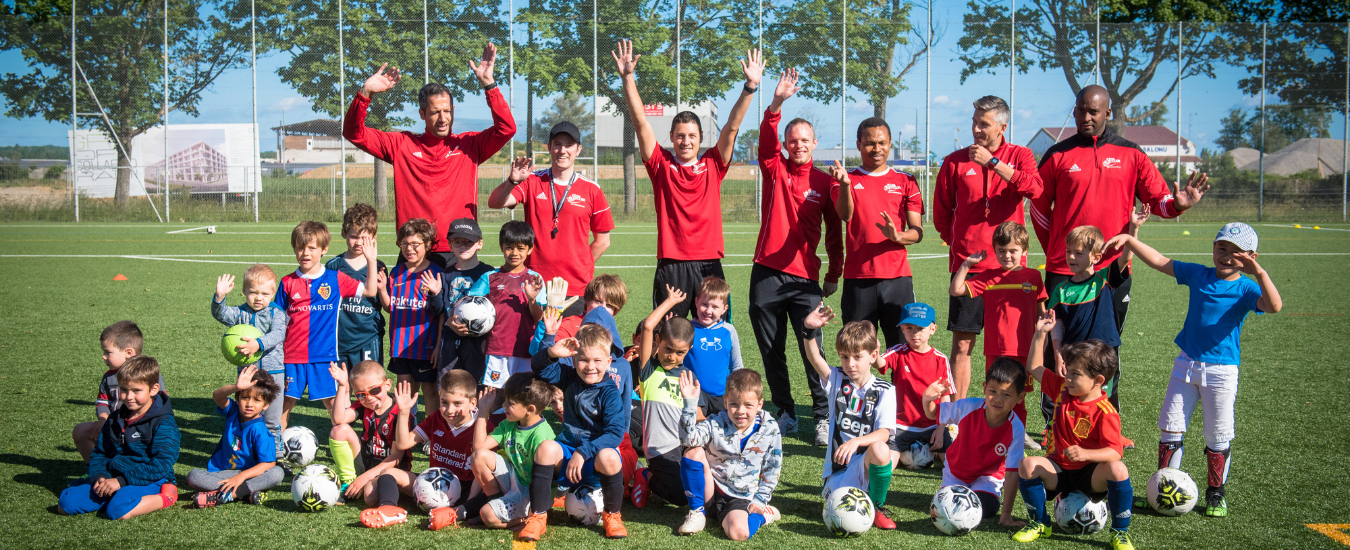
(1305, 51)
(119, 48)
(1285, 124)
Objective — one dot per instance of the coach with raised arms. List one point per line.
(435, 172)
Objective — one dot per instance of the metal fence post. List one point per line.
(426, 52)
(679, 61)
(928, 112)
(759, 120)
(843, 83)
(167, 173)
(595, 90)
(342, 94)
(1097, 48)
(1012, 68)
(1345, 131)
(1261, 159)
(1180, 40)
(74, 116)
(255, 179)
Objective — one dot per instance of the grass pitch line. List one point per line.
(208, 228)
(1335, 531)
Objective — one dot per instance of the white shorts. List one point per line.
(501, 367)
(513, 504)
(1213, 386)
(853, 475)
(985, 484)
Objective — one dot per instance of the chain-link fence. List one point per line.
(135, 92)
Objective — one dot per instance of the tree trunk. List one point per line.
(629, 171)
(122, 192)
(381, 184)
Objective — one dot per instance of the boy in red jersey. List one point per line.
(376, 410)
(1084, 450)
(914, 365)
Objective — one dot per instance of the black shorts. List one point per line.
(463, 352)
(901, 439)
(965, 314)
(721, 505)
(711, 404)
(1080, 480)
(881, 301)
(687, 276)
(664, 477)
(370, 352)
(419, 369)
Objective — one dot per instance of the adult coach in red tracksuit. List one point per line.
(1093, 178)
(872, 197)
(977, 189)
(784, 280)
(435, 172)
(687, 187)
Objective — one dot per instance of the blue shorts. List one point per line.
(369, 352)
(312, 375)
(81, 499)
(589, 477)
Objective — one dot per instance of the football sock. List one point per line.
(1170, 451)
(387, 490)
(878, 482)
(1219, 460)
(754, 521)
(473, 507)
(691, 474)
(1120, 499)
(1033, 494)
(343, 459)
(612, 484)
(541, 488)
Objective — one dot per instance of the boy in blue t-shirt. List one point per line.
(717, 347)
(244, 465)
(360, 320)
(1206, 371)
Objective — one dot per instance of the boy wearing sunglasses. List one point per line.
(377, 411)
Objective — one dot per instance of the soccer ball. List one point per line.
(315, 488)
(300, 446)
(436, 488)
(584, 504)
(234, 338)
(1078, 515)
(917, 457)
(956, 510)
(210, 230)
(477, 313)
(1171, 492)
(848, 512)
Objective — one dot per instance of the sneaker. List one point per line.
(383, 516)
(1032, 531)
(787, 424)
(640, 488)
(772, 515)
(560, 502)
(342, 494)
(207, 499)
(822, 433)
(1128, 444)
(443, 517)
(168, 492)
(534, 527)
(1120, 540)
(257, 497)
(882, 519)
(1216, 506)
(1030, 443)
(614, 528)
(694, 522)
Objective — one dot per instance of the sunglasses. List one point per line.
(372, 392)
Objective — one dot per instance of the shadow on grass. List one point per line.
(80, 402)
(52, 475)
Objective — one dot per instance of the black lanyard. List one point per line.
(558, 204)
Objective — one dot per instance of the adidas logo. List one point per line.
(295, 296)
(1075, 168)
(970, 172)
(1123, 515)
(417, 154)
(541, 196)
(858, 186)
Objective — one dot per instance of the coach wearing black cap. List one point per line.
(569, 212)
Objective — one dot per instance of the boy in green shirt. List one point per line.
(503, 460)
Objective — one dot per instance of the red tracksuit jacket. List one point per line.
(796, 200)
(970, 201)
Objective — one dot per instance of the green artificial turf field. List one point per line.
(1288, 470)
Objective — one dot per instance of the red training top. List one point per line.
(1010, 311)
(1091, 425)
(434, 178)
(796, 200)
(911, 373)
(970, 201)
(450, 448)
(870, 254)
(688, 205)
(981, 450)
(584, 210)
(1094, 181)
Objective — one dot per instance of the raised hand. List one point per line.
(1118, 241)
(979, 155)
(1247, 263)
(245, 380)
(483, 70)
(976, 258)
(557, 294)
(368, 249)
(818, 318)
(753, 67)
(338, 373)
(431, 284)
(689, 386)
(1195, 188)
(787, 85)
(565, 348)
(552, 320)
(624, 58)
(675, 295)
(937, 389)
(1046, 322)
(532, 287)
(381, 82)
(889, 229)
(224, 286)
(1138, 217)
(405, 397)
(520, 169)
(840, 175)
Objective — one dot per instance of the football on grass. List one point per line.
(1171, 492)
(956, 510)
(436, 488)
(848, 512)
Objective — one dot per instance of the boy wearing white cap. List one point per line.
(1207, 368)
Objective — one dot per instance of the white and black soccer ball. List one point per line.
(477, 313)
(917, 457)
(210, 230)
(315, 488)
(299, 446)
(848, 512)
(584, 504)
(956, 510)
(436, 488)
(1172, 492)
(1079, 515)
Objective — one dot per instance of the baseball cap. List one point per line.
(465, 228)
(919, 315)
(565, 127)
(1239, 234)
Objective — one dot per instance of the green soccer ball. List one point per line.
(234, 338)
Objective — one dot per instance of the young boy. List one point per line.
(606, 290)
(515, 292)
(914, 365)
(244, 465)
(456, 351)
(503, 460)
(260, 288)
(664, 346)
(991, 437)
(1084, 448)
(377, 411)
(361, 322)
(120, 341)
(734, 456)
(1206, 370)
(862, 413)
(594, 423)
(1013, 296)
(414, 299)
(310, 297)
(717, 348)
(131, 470)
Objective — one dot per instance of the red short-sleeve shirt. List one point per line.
(584, 211)
(1010, 311)
(688, 205)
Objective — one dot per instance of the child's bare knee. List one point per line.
(608, 462)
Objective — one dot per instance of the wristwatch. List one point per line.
(750, 90)
(993, 161)
(489, 86)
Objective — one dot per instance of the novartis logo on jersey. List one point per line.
(312, 307)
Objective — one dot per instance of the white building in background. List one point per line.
(198, 166)
(317, 141)
(609, 124)
(1158, 142)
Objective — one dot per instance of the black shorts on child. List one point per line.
(722, 505)
(1076, 480)
(419, 369)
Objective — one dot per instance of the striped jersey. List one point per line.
(855, 411)
(311, 302)
(412, 332)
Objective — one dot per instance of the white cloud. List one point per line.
(1024, 113)
(944, 100)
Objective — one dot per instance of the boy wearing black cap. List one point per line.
(456, 351)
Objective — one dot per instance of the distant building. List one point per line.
(609, 125)
(1158, 142)
(198, 166)
(317, 141)
(1324, 155)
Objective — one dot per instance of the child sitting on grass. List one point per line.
(503, 460)
(244, 465)
(260, 287)
(377, 411)
(120, 341)
(664, 345)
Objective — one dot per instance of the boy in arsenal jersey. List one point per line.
(914, 365)
(377, 412)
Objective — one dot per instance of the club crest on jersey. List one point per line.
(811, 195)
(1111, 162)
(1001, 449)
(576, 200)
(892, 189)
(1082, 428)
(325, 291)
(970, 172)
(706, 344)
(699, 168)
(1075, 168)
(1028, 287)
(495, 376)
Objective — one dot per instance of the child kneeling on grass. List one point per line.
(244, 465)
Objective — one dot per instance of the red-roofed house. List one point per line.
(1158, 142)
